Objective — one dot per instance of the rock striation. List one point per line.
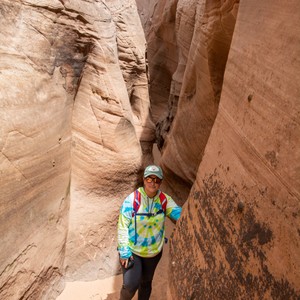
(74, 105)
(235, 140)
(77, 128)
(112, 136)
(203, 33)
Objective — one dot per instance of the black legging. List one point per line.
(139, 277)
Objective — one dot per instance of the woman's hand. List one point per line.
(125, 261)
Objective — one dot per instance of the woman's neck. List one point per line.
(150, 195)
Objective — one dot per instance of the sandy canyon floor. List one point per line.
(108, 289)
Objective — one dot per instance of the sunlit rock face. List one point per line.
(35, 142)
(112, 137)
(238, 237)
(188, 44)
(75, 132)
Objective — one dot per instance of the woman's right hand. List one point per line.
(127, 262)
(124, 262)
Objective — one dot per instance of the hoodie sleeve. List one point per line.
(124, 221)
(173, 210)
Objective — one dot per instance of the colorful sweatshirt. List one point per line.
(147, 239)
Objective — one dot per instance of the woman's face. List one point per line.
(151, 185)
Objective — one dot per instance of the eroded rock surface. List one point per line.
(76, 131)
(201, 35)
(112, 136)
(74, 104)
(239, 234)
(35, 143)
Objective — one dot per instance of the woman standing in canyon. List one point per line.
(141, 233)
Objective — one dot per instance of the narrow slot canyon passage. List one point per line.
(109, 288)
(91, 92)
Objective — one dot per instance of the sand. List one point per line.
(108, 289)
(95, 290)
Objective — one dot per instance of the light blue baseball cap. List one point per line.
(153, 170)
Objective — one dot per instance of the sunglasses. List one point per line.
(155, 179)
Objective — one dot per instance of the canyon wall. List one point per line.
(75, 133)
(238, 237)
(201, 34)
(112, 137)
(35, 143)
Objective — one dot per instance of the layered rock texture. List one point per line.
(75, 132)
(238, 237)
(77, 128)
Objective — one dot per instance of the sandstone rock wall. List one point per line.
(112, 138)
(238, 237)
(162, 53)
(75, 132)
(35, 144)
(188, 44)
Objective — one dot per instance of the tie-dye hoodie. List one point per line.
(149, 233)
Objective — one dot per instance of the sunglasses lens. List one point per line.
(157, 180)
(150, 179)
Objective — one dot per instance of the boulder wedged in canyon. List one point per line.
(74, 92)
(238, 237)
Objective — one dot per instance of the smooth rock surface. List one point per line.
(76, 129)
(242, 216)
(74, 105)
(110, 123)
(35, 144)
(204, 32)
